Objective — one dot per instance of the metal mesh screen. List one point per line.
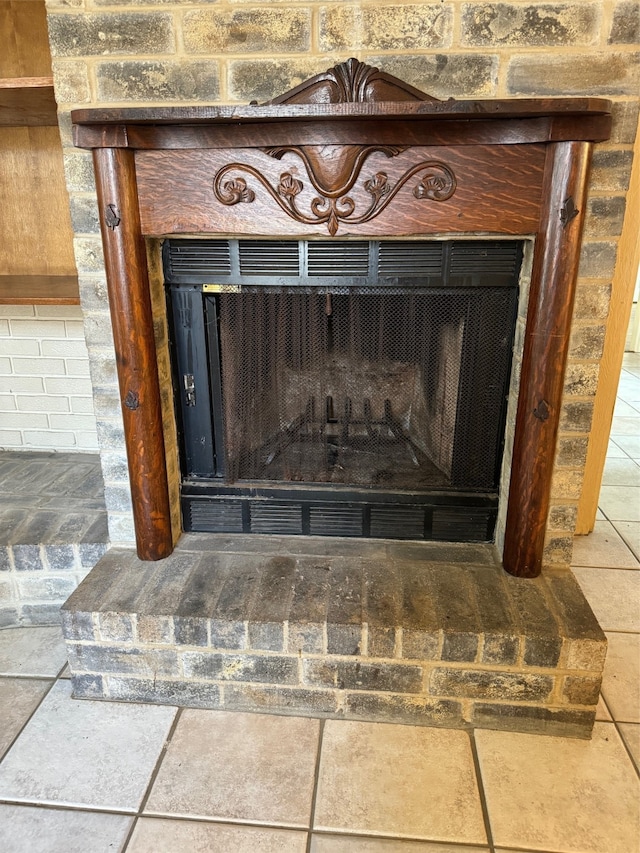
(365, 389)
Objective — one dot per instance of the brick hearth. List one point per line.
(418, 633)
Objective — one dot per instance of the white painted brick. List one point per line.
(4, 327)
(43, 403)
(70, 421)
(74, 329)
(21, 384)
(10, 438)
(18, 346)
(5, 366)
(49, 439)
(65, 348)
(87, 441)
(77, 367)
(60, 312)
(7, 403)
(71, 385)
(24, 420)
(38, 366)
(38, 328)
(17, 310)
(82, 405)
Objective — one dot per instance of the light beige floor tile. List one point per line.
(26, 829)
(602, 712)
(630, 444)
(231, 766)
(560, 794)
(404, 781)
(630, 532)
(631, 736)
(615, 452)
(18, 699)
(621, 679)
(351, 844)
(155, 835)
(32, 651)
(620, 503)
(624, 409)
(614, 596)
(625, 425)
(603, 547)
(621, 472)
(84, 753)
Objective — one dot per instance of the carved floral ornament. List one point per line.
(333, 172)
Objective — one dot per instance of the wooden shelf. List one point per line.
(39, 290)
(27, 101)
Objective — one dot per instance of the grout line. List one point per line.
(65, 807)
(316, 777)
(152, 779)
(481, 791)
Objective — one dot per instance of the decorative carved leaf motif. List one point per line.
(289, 187)
(236, 191)
(438, 183)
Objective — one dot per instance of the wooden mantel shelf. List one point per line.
(27, 101)
(39, 290)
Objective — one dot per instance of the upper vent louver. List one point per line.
(486, 257)
(269, 257)
(188, 257)
(410, 258)
(338, 258)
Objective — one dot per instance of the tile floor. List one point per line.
(88, 777)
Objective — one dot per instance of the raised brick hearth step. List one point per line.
(420, 633)
(53, 529)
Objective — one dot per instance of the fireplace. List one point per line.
(352, 153)
(342, 388)
(334, 261)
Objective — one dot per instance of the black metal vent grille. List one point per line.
(446, 523)
(342, 263)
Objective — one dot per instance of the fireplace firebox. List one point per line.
(353, 388)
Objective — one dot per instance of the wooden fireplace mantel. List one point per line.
(351, 152)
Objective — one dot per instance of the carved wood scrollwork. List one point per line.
(333, 178)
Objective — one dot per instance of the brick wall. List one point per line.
(45, 391)
(120, 52)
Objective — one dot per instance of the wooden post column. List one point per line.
(130, 305)
(554, 274)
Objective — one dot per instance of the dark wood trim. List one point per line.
(554, 274)
(131, 314)
(352, 131)
(412, 110)
(27, 101)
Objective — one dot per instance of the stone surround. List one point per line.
(419, 633)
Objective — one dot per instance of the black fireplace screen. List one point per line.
(364, 384)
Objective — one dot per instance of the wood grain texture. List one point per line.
(498, 190)
(471, 111)
(39, 290)
(132, 319)
(349, 131)
(28, 101)
(35, 225)
(554, 274)
(24, 39)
